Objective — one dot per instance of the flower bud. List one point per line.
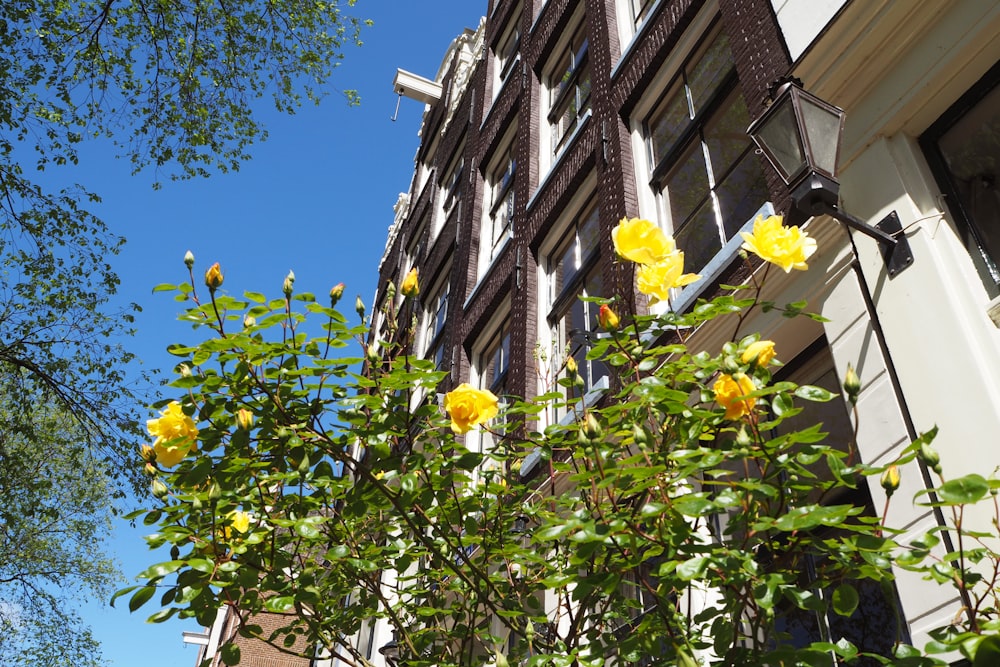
(159, 489)
(374, 352)
(249, 322)
(214, 491)
(390, 293)
(184, 370)
(929, 456)
(286, 287)
(189, 259)
(640, 435)
(213, 277)
(743, 437)
(410, 286)
(150, 470)
(591, 428)
(244, 419)
(359, 306)
(607, 318)
(890, 480)
(852, 385)
(571, 368)
(759, 352)
(148, 453)
(336, 292)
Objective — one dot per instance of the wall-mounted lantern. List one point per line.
(800, 135)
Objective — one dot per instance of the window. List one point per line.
(706, 179)
(494, 362)
(450, 193)
(498, 225)
(435, 317)
(640, 9)
(962, 149)
(574, 272)
(569, 89)
(492, 366)
(507, 52)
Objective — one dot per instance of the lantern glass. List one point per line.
(779, 138)
(822, 124)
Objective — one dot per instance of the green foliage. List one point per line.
(174, 84)
(652, 527)
(54, 523)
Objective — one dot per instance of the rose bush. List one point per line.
(680, 520)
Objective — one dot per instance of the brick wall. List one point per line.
(602, 147)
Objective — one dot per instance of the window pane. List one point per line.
(710, 70)
(741, 193)
(970, 150)
(666, 127)
(687, 186)
(590, 234)
(699, 239)
(726, 135)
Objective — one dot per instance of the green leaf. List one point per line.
(162, 615)
(988, 652)
(141, 597)
(845, 600)
(122, 593)
(817, 394)
(963, 490)
(280, 605)
(692, 568)
(230, 654)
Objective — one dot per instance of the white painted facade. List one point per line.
(896, 67)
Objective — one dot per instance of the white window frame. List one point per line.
(552, 336)
(450, 190)
(574, 47)
(500, 201)
(434, 320)
(489, 343)
(652, 178)
(507, 52)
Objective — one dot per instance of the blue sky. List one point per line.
(317, 198)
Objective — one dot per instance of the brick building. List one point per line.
(557, 118)
(253, 652)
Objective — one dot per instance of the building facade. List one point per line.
(557, 118)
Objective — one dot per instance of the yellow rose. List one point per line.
(240, 521)
(244, 419)
(176, 435)
(762, 351)
(468, 407)
(641, 241)
(213, 277)
(410, 285)
(656, 280)
(729, 393)
(788, 247)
